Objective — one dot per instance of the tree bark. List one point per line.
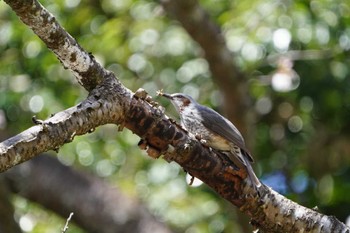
(111, 102)
(63, 127)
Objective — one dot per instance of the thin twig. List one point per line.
(67, 222)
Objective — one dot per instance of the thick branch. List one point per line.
(88, 72)
(98, 109)
(226, 74)
(113, 103)
(270, 213)
(97, 207)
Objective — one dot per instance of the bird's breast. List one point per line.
(219, 143)
(192, 122)
(209, 138)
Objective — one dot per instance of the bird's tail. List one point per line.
(252, 176)
(247, 162)
(244, 160)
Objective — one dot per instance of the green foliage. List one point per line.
(30, 218)
(300, 140)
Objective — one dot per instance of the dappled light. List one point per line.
(291, 60)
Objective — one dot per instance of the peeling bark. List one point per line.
(98, 109)
(111, 102)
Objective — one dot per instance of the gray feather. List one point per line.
(223, 127)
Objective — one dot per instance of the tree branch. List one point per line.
(112, 102)
(98, 109)
(271, 212)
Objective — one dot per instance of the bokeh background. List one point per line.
(295, 59)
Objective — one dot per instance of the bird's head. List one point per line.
(180, 101)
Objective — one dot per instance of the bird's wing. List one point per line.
(223, 127)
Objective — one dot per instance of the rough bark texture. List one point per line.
(111, 102)
(97, 207)
(271, 212)
(61, 128)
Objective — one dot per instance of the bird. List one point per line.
(214, 131)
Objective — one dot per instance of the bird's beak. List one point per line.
(167, 96)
